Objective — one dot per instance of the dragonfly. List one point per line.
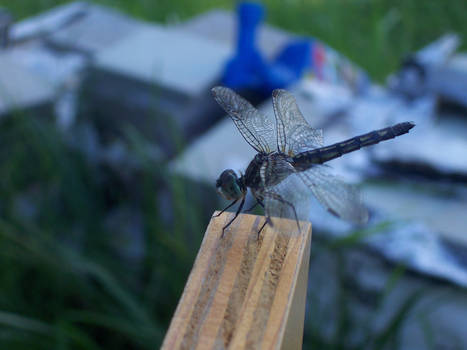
(289, 168)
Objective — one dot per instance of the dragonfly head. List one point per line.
(230, 186)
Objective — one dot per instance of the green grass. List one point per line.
(66, 281)
(374, 34)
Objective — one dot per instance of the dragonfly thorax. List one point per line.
(230, 186)
(274, 167)
(252, 173)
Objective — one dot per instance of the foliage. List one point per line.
(374, 34)
(66, 278)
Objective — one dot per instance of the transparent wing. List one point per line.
(256, 128)
(291, 197)
(291, 191)
(341, 199)
(294, 134)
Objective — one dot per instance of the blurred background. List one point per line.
(111, 144)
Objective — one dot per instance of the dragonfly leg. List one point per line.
(279, 198)
(267, 221)
(223, 210)
(239, 209)
(254, 205)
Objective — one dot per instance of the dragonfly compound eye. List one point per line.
(228, 186)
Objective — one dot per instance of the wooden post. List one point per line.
(245, 292)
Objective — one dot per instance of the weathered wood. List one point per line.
(245, 292)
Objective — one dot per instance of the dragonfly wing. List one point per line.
(256, 128)
(290, 198)
(339, 198)
(294, 134)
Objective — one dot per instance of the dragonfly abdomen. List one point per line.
(305, 160)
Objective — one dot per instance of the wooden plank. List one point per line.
(245, 292)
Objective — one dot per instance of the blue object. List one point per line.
(243, 70)
(289, 65)
(249, 70)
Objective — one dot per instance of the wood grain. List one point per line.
(245, 292)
